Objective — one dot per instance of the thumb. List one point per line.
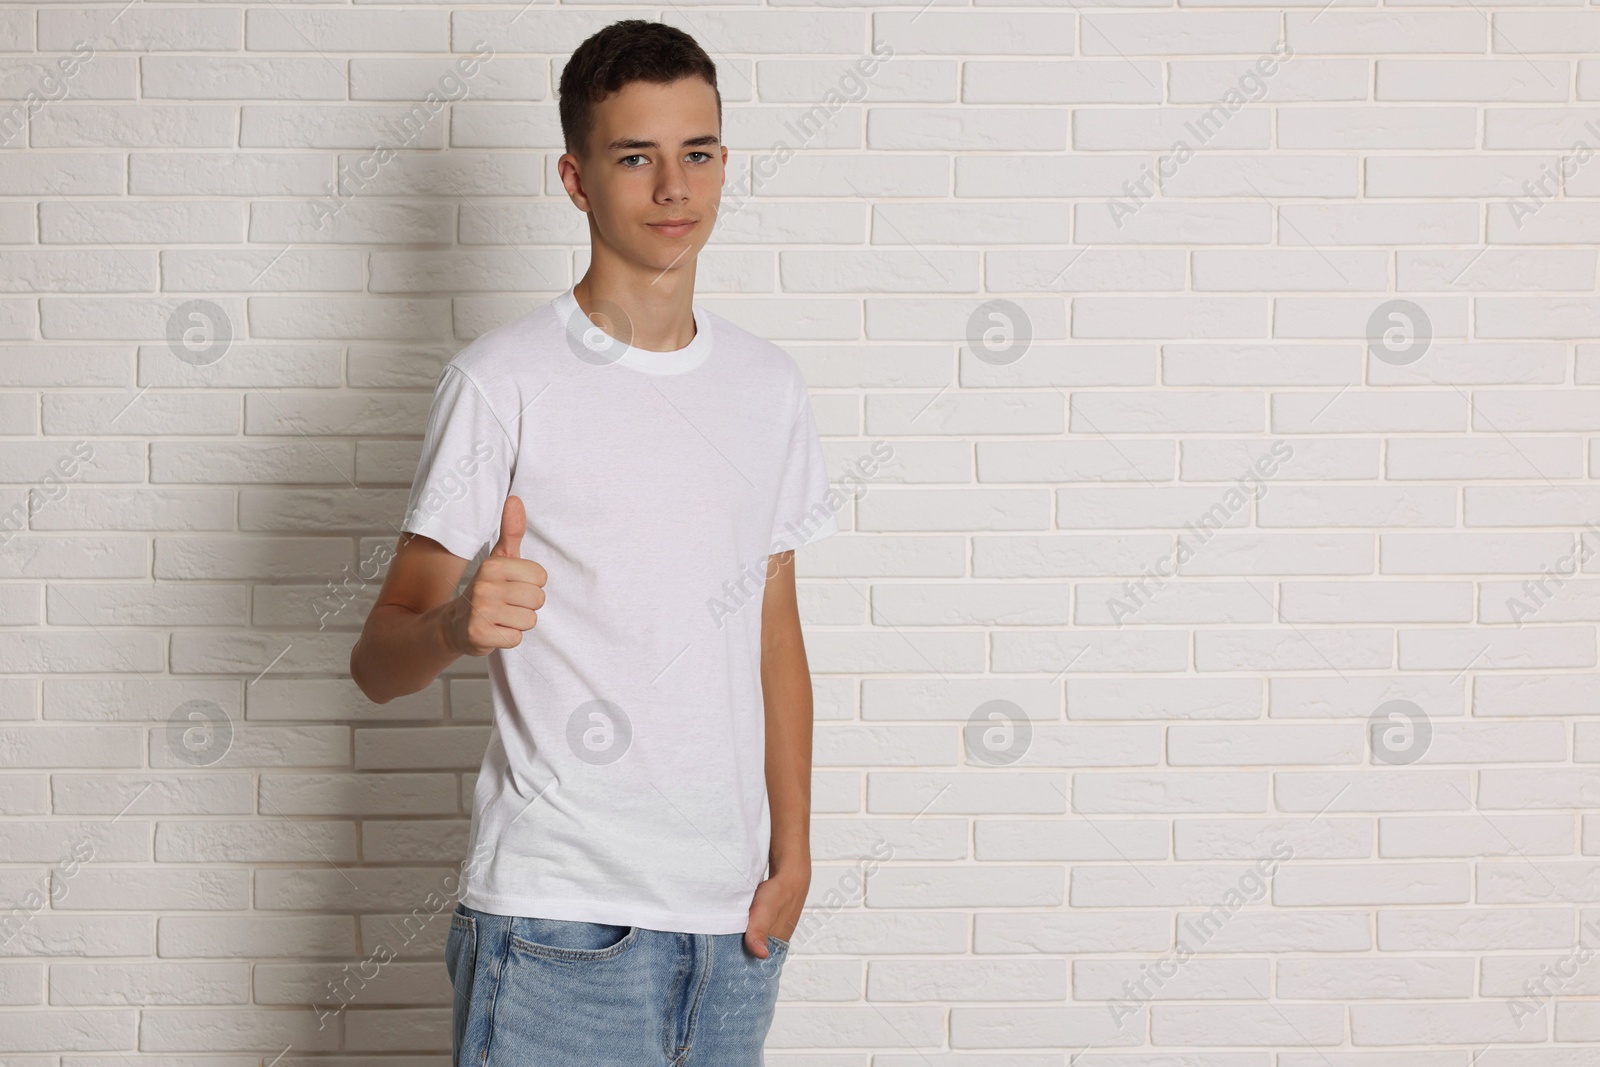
(513, 523)
(754, 941)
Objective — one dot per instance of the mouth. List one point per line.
(673, 227)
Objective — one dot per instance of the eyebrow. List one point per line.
(704, 140)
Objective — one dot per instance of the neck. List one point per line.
(654, 315)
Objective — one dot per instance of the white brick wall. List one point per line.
(1197, 842)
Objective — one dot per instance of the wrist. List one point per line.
(441, 626)
(790, 866)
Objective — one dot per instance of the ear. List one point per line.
(572, 180)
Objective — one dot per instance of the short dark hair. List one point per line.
(627, 51)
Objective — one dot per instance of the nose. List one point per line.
(673, 183)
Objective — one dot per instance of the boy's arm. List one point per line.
(786, 693)
(419, 626)
(402, 644)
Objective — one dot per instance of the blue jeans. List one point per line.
(553, 993)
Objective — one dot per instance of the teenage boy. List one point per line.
(639, 850)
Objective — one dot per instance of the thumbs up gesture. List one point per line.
(503, 598)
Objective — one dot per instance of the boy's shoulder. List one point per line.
(497, 353)
(755, 351)
(757, 360)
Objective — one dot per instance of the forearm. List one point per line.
(786, 684)
(401, 651)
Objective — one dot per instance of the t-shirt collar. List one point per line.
(601, 348)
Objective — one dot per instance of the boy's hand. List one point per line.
(776, 908)
(502, 600)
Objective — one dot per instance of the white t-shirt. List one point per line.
(625, 777)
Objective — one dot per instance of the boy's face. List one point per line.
(654, 156)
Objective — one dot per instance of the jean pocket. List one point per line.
(460, 963)
(460, 946)
(567, 939)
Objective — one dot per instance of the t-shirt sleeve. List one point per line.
(805, 512)
(464, 474)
